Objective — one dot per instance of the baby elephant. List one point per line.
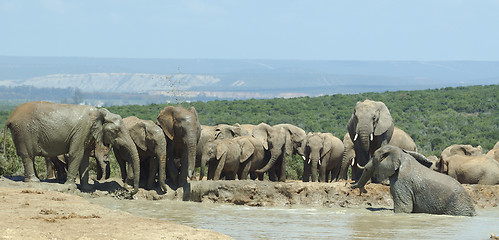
(416, 188)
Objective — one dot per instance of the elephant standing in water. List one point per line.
(151, 146)
(416, 188)
(370, 127)
(182, 130)
(468, 165)
(323, 152)
(49, 129)
(399, 138)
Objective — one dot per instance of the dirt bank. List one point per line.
(38, 213)
(50, 210)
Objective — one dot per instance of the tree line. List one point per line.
(435, 118)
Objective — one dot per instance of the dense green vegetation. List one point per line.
(435, 118)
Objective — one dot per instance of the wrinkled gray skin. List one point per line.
(468, 165)
(293, 140)
(49, 129)
(399, 138)
(223, 157)
(58, 165)
(151, 146)
(183, 131)
(323, 152)
(274, 143)
(370, 127)
(416, 188)
(252, 157)
(211, 133)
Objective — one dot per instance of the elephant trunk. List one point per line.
(314, 167)
(366, 175)
(135, 163)
(270, 163)
(345, 161)
(162, 171)
(191, 157)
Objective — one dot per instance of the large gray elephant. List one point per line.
(468, 165)
(274, 143)
(295, 139)
(253, 156)
(370, 127)
(221, 131)
(182, 130)
(399, 138)
(323, 152)
(151, 146)
(223, 157)
(50, 129)
(416, 188)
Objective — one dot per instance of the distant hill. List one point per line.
(205, 79)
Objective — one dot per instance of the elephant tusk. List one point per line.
(355, 137)
(371, 136)
(309, 161)
(304, 158)
(360, 167)
(320, 162)
(353, 162)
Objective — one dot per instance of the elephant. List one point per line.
(274, 143)
(223, 157)
(183, 130)
(414, 187)
(399, 138)
(252, 156)
(221, 131)
(58, 164)
(369, 127)
(468, 165)
(50, 129)
(323, 152)
(295, 139)
(151, 146)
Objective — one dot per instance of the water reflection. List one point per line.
(241, 222)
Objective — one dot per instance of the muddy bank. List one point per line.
(262, 193)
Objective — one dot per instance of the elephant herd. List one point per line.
(167, 152)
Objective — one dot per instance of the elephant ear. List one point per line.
(138, 134)
(289, 142)
(384, 122)
(97, 118)
(261, 132)
(221, 150)
(166, 119)
(352, 125)
(247, 150)
(327, 145)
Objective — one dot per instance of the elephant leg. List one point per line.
(153, 169)
(122, 163)
(83, 171)
(282, 173)
(172, 171)
(252, 175)
(184, 167)
(306, 172)
(272, 174)
(260, 176)
(29, 170)
(335, 174)
(243, 171)
(322, 172)
(230, 176)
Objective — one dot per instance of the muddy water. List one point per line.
(241, 222)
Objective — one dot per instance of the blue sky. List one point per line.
(423, 30)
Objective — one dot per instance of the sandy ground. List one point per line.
(31, 211)
(49, 210)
